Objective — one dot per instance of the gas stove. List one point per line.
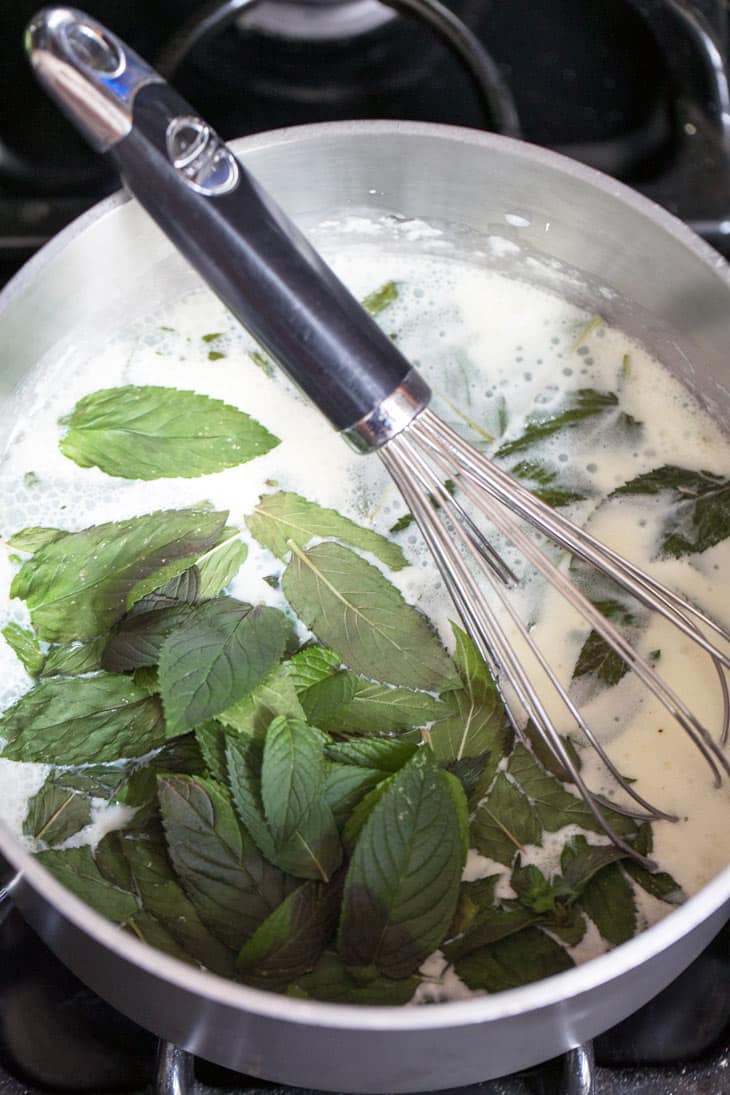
(636, 88)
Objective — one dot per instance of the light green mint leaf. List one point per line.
(218, 655)
(155, 433)
(32, 539)
(330, 980)
(74, 659)
(275, 695)
(377, 301)
(402, 884)
(353, 609)
(219, 566)
(311, 665)
(27, 648)
(79, 586)
(283, 517)
(71, 720)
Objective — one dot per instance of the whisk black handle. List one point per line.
(245, 247)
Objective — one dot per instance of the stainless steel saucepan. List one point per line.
(644, 272)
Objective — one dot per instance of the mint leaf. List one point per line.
(608, 900)
(243, 760)
(164, 902)
(283, 517)
(182, 589)
(24, 644)
(503, 822)
(212, 740)
(480, 724)
(155, 433)
(361, 814)
(598, 665)
(490, 924)
(581, 861)
(216, 656)
(81, 585)
(219, 566)
(379, 299)
(699, 516)
(544, 484)
(349, 704)
(274, 696)
(290, 941)
(77, 870)
(301, 824)
(657, 883)
(402, 884)
(331, 981)
(515, 960)
(384, 754)
(581, 405)
(139, 638)
(55, 813)
(345, 785)
(73, 660)
(311, 665)
(351, 607)
(70, 720)
(232, 888)
(34, 538)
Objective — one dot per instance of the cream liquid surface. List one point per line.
(494, 348)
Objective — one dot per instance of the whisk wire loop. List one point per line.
(421, 459)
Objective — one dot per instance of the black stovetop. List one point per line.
(637, 88)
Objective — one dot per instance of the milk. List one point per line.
(492, 348)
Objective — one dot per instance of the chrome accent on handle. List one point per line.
(579, 1071)
(90, 73)
(391, 416)
(175, 1073)
(200, 157)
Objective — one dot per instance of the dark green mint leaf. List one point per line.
(312, 665)
(212, 740)
(608, 899)
(504, 823)
(535, 891)
(76, 869)
(81, 585)
(699, 516)
(71, 720)
(598, 665)
(74, 659)
(300, 822)
(163, 899)
(243, 760)
(218, 655)
(519, 959)
(543, 483)
(25, 645)
(232, 888)
(139, 638)
(489, 925)
(379, 299)
(291, 940)
(56, 813)
(356, 821)
(547, 758)
(657, 883)
(345, 785)
(330, 980)
(350, 606)
(33, 539)
(285, 517)
(155, 433)
(402, 884)
(583, 404)
(323, 701)
(581, 861)
(182, 589)
(473, 896)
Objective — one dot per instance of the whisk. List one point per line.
(276, 284)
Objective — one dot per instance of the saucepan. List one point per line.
(571, 227)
